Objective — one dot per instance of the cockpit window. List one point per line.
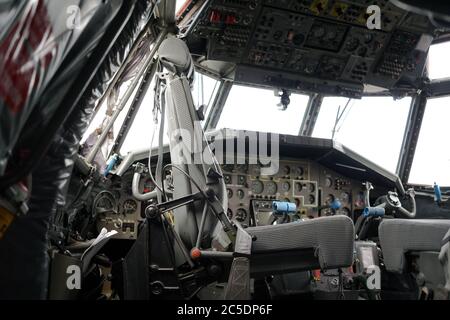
(438, 67)
(432, 157)
(204, 89)
(257, 109)
(372, 126)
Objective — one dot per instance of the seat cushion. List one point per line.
(398, 236)
(332, 239)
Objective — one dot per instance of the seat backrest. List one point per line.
(444, 257)
(326, 243)
(399, 236)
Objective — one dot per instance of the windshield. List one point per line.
(432, 158)
(140, 134)
(373, 126)
(438, 68)
(257, 109)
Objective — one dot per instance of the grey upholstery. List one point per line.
(331, 238)
(398, 236)
(444, 257)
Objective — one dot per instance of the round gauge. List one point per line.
(286, 170)
(311, 187)
(271, 187)
(298, 187)
(227, 178)
(241, 180)
(105, 203)
(328, 182)
(129, 206)
(343, 211)
(257, 187)
(241, 194)
(329, 199)
(229, 193)
(241, 215)
(299, 171)
(285, 186)
(312, 199)
(230, 213)
(345, 197)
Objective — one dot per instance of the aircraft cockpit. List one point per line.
(224, 150)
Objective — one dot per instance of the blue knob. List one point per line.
(284, 207)
(373, 212)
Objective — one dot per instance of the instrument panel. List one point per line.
(118, 210)
(317, 40)
(309, 185)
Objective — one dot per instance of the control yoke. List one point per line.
(390, 203)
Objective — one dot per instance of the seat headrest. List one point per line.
(175, 56)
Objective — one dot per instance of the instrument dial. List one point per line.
(328, 182)
(271, 187)
(257, 187)
(312, 199)
(286, 170)
(241, 180)
(241, 215)
(229, 193)
(299, 171)
(227, 178)
(230, 213)
(285, 186)
(311, 187)
(241, 194)
(298, 187)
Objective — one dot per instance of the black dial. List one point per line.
(241, 215)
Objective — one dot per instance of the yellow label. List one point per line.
(339, 9)
(319, 6)
(6, 218)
